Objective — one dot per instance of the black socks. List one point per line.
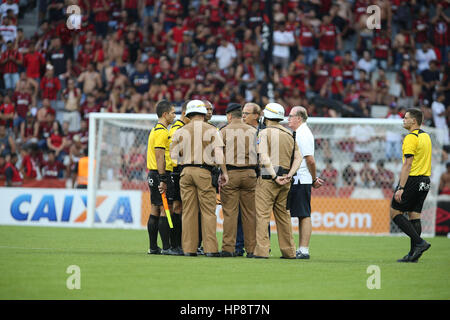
(418, 227)
(407, 227)
(164, 232)
(168, 236)
(175, 233)
(152, 229)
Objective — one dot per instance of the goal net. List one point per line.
(359, 159)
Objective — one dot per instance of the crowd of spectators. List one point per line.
(380, 177)
(128, 54)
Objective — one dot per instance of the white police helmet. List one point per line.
(274, 111)
(196, 106)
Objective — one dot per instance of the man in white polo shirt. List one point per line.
(304, 179)
(282, 41)
(225, 53)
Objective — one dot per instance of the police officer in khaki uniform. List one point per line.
(251, 113)
(279, 159)
(175, 234)
(197, 146)
(240, 158)
(208, 116)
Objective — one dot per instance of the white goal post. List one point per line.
(349, 152)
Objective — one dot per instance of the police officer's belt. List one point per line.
(280, 172)
(204, 166)
(230, 167)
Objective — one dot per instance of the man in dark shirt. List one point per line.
(55, 10)
(430, 79)
(141, 79)
(134, 46)
(57, 57)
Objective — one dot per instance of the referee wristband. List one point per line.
(400, 188)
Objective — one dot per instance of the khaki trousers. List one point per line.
(240, 190)
(272, 197)
(197, 193)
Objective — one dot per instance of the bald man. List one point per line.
(304, 179)
(209, 110)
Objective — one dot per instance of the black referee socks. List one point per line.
(407, 227)
(164, 232)
(152, 229)
(418, 227)
(175, 233)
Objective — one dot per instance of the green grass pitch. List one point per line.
(114, 265)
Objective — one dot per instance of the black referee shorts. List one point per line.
(175, 177)
(155, 195)
(301, 200)
(414, 194)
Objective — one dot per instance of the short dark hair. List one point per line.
(416, 114)
(25, 148)
(236, 113)
(163, 106)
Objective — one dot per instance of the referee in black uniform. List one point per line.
(414, 183)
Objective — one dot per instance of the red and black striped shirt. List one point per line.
(441, 33)
(50, 88)
(11, 66)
